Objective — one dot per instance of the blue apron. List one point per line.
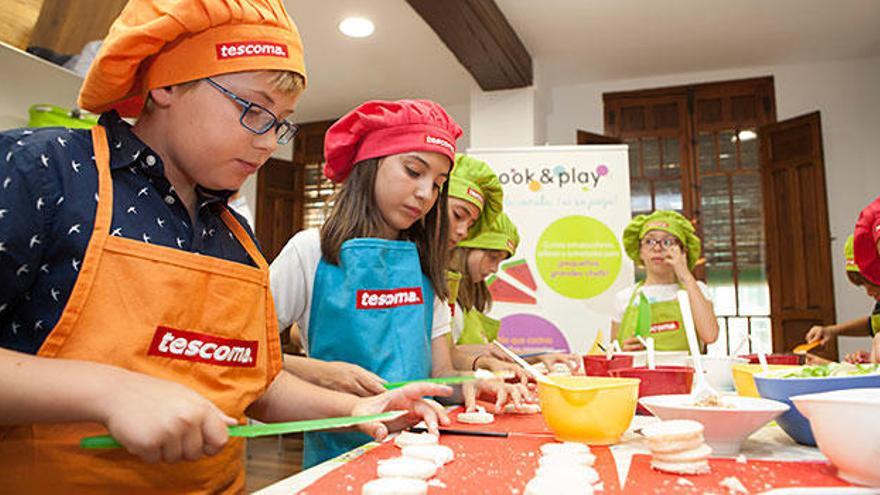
(374, 310)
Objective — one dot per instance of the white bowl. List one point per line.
(719, 370)
(662, 358)
(846, 424)
(725, 428)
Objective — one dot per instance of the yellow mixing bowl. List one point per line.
(744, 380)
(589, 409)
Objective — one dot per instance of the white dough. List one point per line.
(478, 417)
(525, 408)
(406, 467)
(438, 454)
(395, 486)
(406, 438)
(700, 467)
(564, 448)
(577, 458)
(577, 474)
(482, 374)
(543, 485)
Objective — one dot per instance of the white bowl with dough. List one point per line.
(846, 425)
(725, 428)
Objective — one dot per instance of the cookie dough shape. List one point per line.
(407, 438)
(478, 417)
(406, 467)
(395, 486)
(438, 454)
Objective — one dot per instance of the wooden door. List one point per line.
(281, 190)
(799, 240)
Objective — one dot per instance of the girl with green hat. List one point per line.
(476, 258)
(858, 326)
(665, 244)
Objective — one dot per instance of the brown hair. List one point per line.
(471, 295)
(355, 214)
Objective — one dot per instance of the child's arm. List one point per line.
(857, 327)
(704, 315)
(290, 398)
(335, 375)
(154, 419)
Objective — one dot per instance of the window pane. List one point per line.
(738, 330)
(762, 334)
(719, 347)
(754, 292)
(671, 158)
(717, 248)
(668, 195)
(640, 196)
(727, 150)
(651, 157)
(706, 152)
(748, 149)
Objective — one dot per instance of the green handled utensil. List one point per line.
(443, 380)
(259, 430)
(643, 322)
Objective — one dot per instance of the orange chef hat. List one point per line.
(157, 43)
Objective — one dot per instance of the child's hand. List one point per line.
(496, 365)
(820, 333)
(501, 392)
(573, 361)
(677, 259)
(409, 397)
(858, 357)
(156, 419)
(632, 344)
(350, 378)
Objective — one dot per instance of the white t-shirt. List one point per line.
(292, 279)
(654, 293)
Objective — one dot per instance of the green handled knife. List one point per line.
(443, 380)
(258, 430)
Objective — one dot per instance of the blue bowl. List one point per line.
(793, 422)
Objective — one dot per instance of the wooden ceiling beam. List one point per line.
(482, 40)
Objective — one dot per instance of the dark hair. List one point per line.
(355, 214)
(471, 295)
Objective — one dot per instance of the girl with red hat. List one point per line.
(369, 288)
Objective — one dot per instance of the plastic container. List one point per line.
(663, 380)
(588, 409)
(599, 364)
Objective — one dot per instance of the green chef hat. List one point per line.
(667, 221)
(474, 181)
(850, 255)
(500, 236)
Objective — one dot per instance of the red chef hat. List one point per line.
(381, 128)
(865, 242)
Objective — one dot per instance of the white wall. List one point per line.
(847, 93)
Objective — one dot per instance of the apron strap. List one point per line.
(104, 215)
(243, 238)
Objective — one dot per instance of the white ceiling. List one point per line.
(572, 41)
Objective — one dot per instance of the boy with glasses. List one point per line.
(131, 300)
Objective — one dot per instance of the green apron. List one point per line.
(660, 320)
(478, 328)
(453, 282)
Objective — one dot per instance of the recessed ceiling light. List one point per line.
(357, 27)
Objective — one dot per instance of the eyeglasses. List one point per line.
(665, 243)
(259, 119)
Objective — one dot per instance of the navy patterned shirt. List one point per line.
(48, 200)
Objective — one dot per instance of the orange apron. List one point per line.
(204, 322)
